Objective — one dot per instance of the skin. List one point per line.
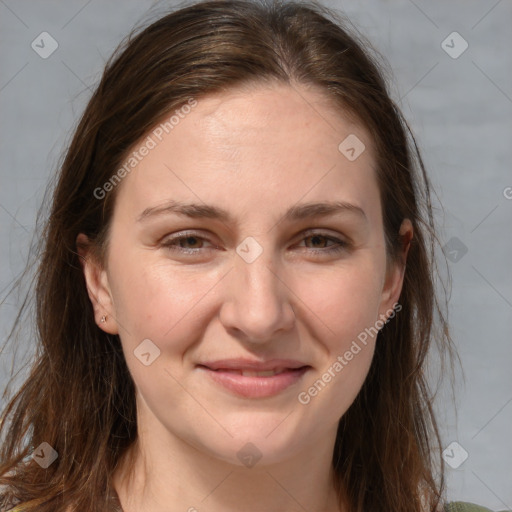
(254, 152)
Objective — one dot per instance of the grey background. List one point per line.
(460, 110)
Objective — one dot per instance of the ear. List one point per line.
(98, 286)
(395, 273)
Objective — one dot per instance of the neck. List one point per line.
(163, 473)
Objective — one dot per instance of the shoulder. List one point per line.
(462, 506)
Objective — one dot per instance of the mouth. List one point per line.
(252, 373)
(255, 383)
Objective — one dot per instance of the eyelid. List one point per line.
(325, 232)
(340, 241)
(168, 240)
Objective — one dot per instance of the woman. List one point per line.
(201, 349)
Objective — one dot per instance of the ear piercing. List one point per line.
(103, 319)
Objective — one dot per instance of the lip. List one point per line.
(223, 373)
(252, 364)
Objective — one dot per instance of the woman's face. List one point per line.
(228, 254)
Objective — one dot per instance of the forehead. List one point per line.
(271, 116)
(253, 146)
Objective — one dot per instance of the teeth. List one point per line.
(267, 373)
(249, 373)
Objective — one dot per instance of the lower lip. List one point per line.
(256, 387)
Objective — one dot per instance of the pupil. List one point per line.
(316, 237)
(190, 240)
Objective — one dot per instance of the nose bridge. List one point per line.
(258, 303)
(258, 283)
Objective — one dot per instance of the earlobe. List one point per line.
(98, 287)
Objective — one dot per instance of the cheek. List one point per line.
(345, 300)
(159, 301)
(344, 304)
(156, 300)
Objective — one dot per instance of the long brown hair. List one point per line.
(79, 396)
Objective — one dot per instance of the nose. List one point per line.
(258, 302)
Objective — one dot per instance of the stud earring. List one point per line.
(103, 319)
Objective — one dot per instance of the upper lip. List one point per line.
(254, 365)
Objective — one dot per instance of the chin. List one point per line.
(257, 441)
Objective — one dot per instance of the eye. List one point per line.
(319, 241)
(192, 243)
(180, 243)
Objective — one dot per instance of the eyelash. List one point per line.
(340, 246)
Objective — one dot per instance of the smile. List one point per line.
(255, 384)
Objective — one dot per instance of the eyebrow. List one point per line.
(294, 213)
